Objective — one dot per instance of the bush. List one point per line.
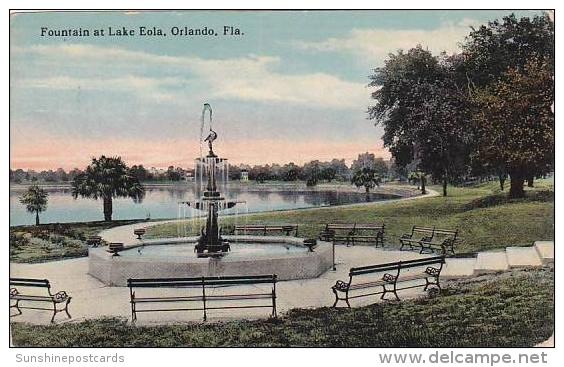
(18, 240)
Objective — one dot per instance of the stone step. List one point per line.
(491, 262)
(545, 249)
(522, 256)
(458, 268)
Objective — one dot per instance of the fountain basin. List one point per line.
(284, 256)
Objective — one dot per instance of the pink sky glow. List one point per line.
(40, 153)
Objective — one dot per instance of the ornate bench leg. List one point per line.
(336, 298)
(394, 291)
(54, 312)
(429, 283)
(17, 307)
(347, 299)
(67, 308)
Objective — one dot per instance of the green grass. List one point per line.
(57, 241)
(512, 309)
(485, 217)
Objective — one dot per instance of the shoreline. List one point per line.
(403, 192)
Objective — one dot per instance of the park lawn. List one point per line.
(484, 216)
(511, 309)
(57, 241)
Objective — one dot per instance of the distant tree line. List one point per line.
(312, 172)
(59, 175)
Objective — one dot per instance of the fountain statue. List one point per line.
(210, 243)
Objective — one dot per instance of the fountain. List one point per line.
(217, 254)
(210, 242)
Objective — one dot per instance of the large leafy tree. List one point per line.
(107, 178)
(35, 201)
(423, 109)
(510, 43)
(496, 56)
(516, 123)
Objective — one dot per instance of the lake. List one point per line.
(161, 202)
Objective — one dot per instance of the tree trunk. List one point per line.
(502, 178)
(367, 189)
(37, 218)
(423, 180)
(108, 209)
(444, 187)
(530, 181)
(517, 182)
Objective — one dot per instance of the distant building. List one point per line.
(244, 175)
(188, 176)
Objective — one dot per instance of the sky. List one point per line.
(292, 88)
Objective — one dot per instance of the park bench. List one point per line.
(417, 235)
(386, 278)
(115, 247)
(430, 239)
(287, 229)
(354, 233)
(139, 232)
(37, 291)
(196, 294)
(442, 240)
(94, 241)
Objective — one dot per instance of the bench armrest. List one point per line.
(433, 271)
(406, 236)
(13, 292)
(389, 278)
(341, 286)
(61, 296)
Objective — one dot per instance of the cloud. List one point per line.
(150, 88)
(374, 44)
(250, 78)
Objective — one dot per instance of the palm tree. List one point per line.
(107, 178)
(366, 177)
(35, 201)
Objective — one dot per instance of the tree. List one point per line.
(328, 173)
(516, 123)
(416, 176)
(423, 110)
(107, 178)
(491, 50)
(505, 57)
(290, 172)
(35, 201)
(342, 172)
(366, 177)
(311, 172)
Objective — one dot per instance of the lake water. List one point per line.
(162, 202)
